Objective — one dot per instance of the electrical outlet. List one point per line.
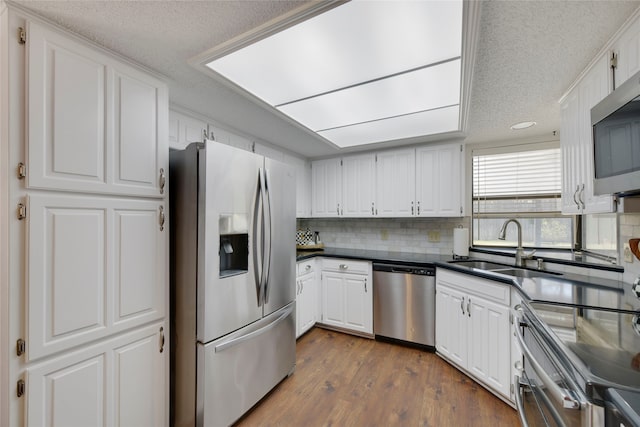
(384, 234)
(628, 256)
(433, 236)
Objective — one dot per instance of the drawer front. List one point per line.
(307, 266)
(488, 289)
(346, 265)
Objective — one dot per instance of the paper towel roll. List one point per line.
(461, 241)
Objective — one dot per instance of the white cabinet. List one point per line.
(303, 185)
(96, 266)
(88, 270)
(628, 51)
(358, 186)
(306, 296)
(347, 295)
(94, 124)
(472, 327)
(395, 183)
(184, 129)
(118, 382)
(439, 181)
(576, 143)
(326, 188)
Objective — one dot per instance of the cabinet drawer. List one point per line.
(346, 265)
(304, 267)
(488, 289)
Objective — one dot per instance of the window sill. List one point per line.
(564, 257)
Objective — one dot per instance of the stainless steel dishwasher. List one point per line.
(404, 306)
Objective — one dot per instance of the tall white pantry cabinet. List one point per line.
(83, 232)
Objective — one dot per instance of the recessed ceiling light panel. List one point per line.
(358, 62)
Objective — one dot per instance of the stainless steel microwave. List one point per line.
(616, 140)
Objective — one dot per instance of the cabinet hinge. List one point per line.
(21, 347)
(20, 388)
(340, 162)
(511, 318)
(512, 390)
(22, 35)
(461, 147)
(376, 158)
(22, 170)
(22, 211)
(253, 147)
(460, 210)
(614, 60)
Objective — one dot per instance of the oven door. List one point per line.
(547, 396)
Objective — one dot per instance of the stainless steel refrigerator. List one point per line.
(232, 281)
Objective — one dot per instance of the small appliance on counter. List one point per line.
(460, 243)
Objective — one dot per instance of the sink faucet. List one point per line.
(520, 257)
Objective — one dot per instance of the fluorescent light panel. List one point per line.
(361, 61)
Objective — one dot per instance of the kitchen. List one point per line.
(506, 78)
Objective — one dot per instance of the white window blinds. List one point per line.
(516, 181)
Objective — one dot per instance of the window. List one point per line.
(520, 182)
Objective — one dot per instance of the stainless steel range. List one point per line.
(574, 354)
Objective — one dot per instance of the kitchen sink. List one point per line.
(482, 265)
(524, 273)
(503, 269)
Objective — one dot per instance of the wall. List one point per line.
(418, 235)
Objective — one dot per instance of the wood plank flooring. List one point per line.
(342, 380)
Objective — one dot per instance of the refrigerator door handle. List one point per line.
(257, 253)
(267, 233)
(231, 343)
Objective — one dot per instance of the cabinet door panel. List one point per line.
(396, 183)
(66, 111)
(68, 393)
(333, 299)
(96, 266)
(326, 182)
(136, 135)
(356, 307)
(358, 185)
(139, 267)
(139, 387)
(439, 181)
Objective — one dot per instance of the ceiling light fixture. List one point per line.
(359, 73)
(522, 125)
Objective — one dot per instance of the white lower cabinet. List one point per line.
(347, 295)
(119, 382)
(306, 297)
(473, 328)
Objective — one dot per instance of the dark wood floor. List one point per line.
(342, 380)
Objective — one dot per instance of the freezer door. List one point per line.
(229, 234)
(281, 228)
(235, 372)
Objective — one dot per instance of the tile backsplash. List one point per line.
(417, 235)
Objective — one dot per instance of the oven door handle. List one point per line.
(519, 404)
(561, 395)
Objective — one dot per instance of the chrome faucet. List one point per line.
(520, 257)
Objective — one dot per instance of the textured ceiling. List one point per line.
(529, 52)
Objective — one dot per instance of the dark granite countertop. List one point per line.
(405, 258)
(559, 289)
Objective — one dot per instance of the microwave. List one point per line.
(616, 140)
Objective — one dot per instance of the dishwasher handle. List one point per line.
(405, 269)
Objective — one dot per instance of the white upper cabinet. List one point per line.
(183, 130)
(439, 181)
(576, 143)
(303, 185)
(326, 188)
(628, 51)
(358, 185)
(395, 183)
(94, 123)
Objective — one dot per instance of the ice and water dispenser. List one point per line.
(234, 244)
